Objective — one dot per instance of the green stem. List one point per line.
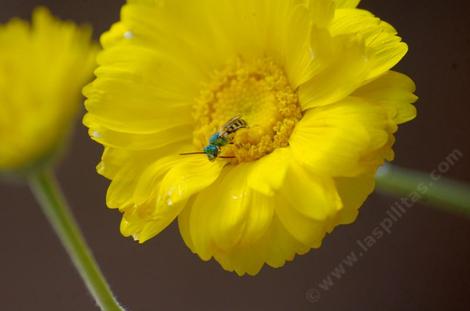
(54, 206)
(432, 188)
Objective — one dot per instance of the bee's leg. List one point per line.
(191, 153)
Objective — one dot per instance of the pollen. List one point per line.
(259, 93)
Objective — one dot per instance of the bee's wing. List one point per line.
(227, 124)
(231, 125)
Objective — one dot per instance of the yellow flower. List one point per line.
(309, 77)
(43, 67)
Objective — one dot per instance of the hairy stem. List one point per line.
(46, 190)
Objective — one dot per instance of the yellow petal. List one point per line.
(281, 245)
(111, 160)
(347, 3)
(310, 195)
(258, 219)
(139, 142)
(191, 42)
(169, 183)
(263, 178)
(189, 176)
(394, 91)
(184, 223)
(121, 189)
(384, 47)
(275, 247)
(322, 12)
(128, 168)
(353, 192)
(298, 60)
(332, 140)
(338, 73)
(133, 107)
(149, 181)
(225, 215)
(304, 229)
(140, 93)
(115, 35)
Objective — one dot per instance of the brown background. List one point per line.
(423, 265)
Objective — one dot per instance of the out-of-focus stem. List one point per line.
(54, 206)
(440, 192)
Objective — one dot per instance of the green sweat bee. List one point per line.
(221, 138)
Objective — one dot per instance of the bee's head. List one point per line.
(212, 151)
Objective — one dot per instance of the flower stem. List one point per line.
(48, 193)
(432, 188)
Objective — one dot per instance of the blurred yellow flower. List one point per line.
(311, 80)
(43, 67)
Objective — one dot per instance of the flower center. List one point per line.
(258, 93)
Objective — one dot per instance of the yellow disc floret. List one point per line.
(258, 92)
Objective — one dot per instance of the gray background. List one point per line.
(422, 265)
